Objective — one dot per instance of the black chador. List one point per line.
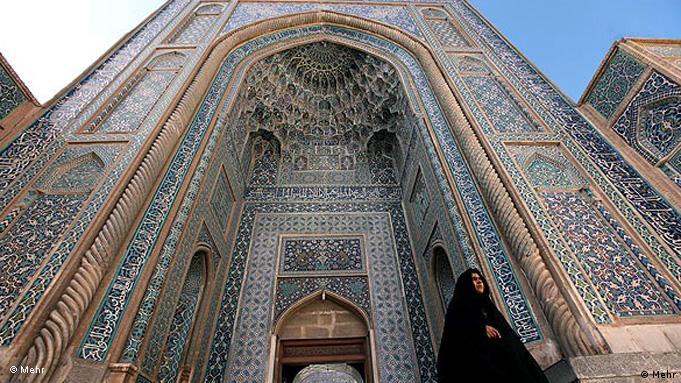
(477, 344)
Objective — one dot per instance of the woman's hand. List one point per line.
(492, 333)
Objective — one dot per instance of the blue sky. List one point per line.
(568, 39)
(57, 40)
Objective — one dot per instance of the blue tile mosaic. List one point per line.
(619, 76)
(42, 134)
(651, 124)
(289, 291)
(247, 13)
(249, 286)
(610, 265)
(183, 320)
(504, 113)
(195, 30)
(469, 63)
(222, 200)
(420, 197)
(11, 94)
(52, 132)
(447, 34)
(128, 115)
(444, 277)
(168, 61)
(26, 244)
(324, 253)
(104, 331)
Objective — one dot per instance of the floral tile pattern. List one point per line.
(613, 85)
(321, 254)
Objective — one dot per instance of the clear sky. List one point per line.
(568, 39)
(51, 42)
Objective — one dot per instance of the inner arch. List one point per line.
(339, 114)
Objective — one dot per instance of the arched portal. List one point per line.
(444, 278)
(340, 108)
(322, 331)
(303, 209)
(321, 129)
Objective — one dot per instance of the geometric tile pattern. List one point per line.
(205, 238)
(129, 113)
(506, 115)
(247, 13)
(333, 111)
(183, 320)
(443, 276)
(420, 197)
(612, 86)
(37, 223)
(447, 34)
(165, 308)
(171, 284)
(434, 13)
(63, 123)
(79, 175)
(590, 297)
(641, 256)
(241, 356)
(222, 200)
(96, 343)
(265, 163)
(78, 168)
(546, 166)
(291, 290)
(168, 61)
(651, 124)
(108, 325)
(11, 95)
(321, 254)
(195, 30)
(469, 63)
(608, 262)
(210, 9)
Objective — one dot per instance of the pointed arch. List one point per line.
(46, 350)
(434, 13)
(548, 173)
(79, 175)
(443, 276)
(209, 9)
(320, 296)
(185, 323)
(168, 61)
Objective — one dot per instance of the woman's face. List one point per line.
(478, 284)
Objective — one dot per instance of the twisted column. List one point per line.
(573, 338)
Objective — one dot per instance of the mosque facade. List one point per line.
(286, 191)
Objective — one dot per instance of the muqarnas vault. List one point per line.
(246, 191)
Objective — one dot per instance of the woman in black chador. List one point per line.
(477, 344)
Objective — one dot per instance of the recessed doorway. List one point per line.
(323, 334)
